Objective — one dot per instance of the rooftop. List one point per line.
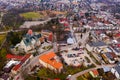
(50, 59)
(117, 69)
(97, 44)
(11, 56)
(22, 61)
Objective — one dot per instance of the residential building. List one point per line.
(94, 73)
(93, 45)
(116, 71)
(116, 49)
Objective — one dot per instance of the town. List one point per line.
(60, 40)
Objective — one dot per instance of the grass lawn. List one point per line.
(62, 76)
(31, 15)
(87, 76)
(2, 38)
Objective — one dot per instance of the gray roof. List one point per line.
(109, 55)
(117, 68)
(29, 38)
(97, 44)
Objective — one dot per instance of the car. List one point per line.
(76, 48)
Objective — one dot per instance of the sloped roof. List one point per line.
(49, 59)
(97, 44)
(117, 68)
(22, 61)
(10, 56)
(95, 72)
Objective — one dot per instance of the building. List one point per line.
(17, 68)
(29, 42)
(7, 68)
(116, 71)
(51, 61)
(15, 57)
(116, 49)
(93, 45)
(94, 73)
(109, 57)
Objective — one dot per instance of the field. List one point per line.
(31, 15)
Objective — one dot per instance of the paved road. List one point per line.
(28, 24)
(34, 61)
(9, 31)
(74, 77)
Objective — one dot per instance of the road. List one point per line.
(28, 24)
(9, 31)
(74, 77)
(34, 61)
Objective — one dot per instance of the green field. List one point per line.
(31, 15)
(2, 38)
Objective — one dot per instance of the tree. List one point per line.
(12, 19)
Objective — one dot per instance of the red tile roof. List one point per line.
(118, 45)
(117, 35)
(15, 68)
(113, 55)
(10, 56)
(66, 24)
(95, 72)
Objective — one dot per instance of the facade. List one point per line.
(51, 61)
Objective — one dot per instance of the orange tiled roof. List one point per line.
(49, 59)
(95, 72)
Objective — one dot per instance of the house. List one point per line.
(117, 35)
(116, 71)
(110, 57)
(47, 34)
(107, 54)
(93, 45)
(106, 69)
(51, 61)
(22, 63)
(116, 49)
(94, 73)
